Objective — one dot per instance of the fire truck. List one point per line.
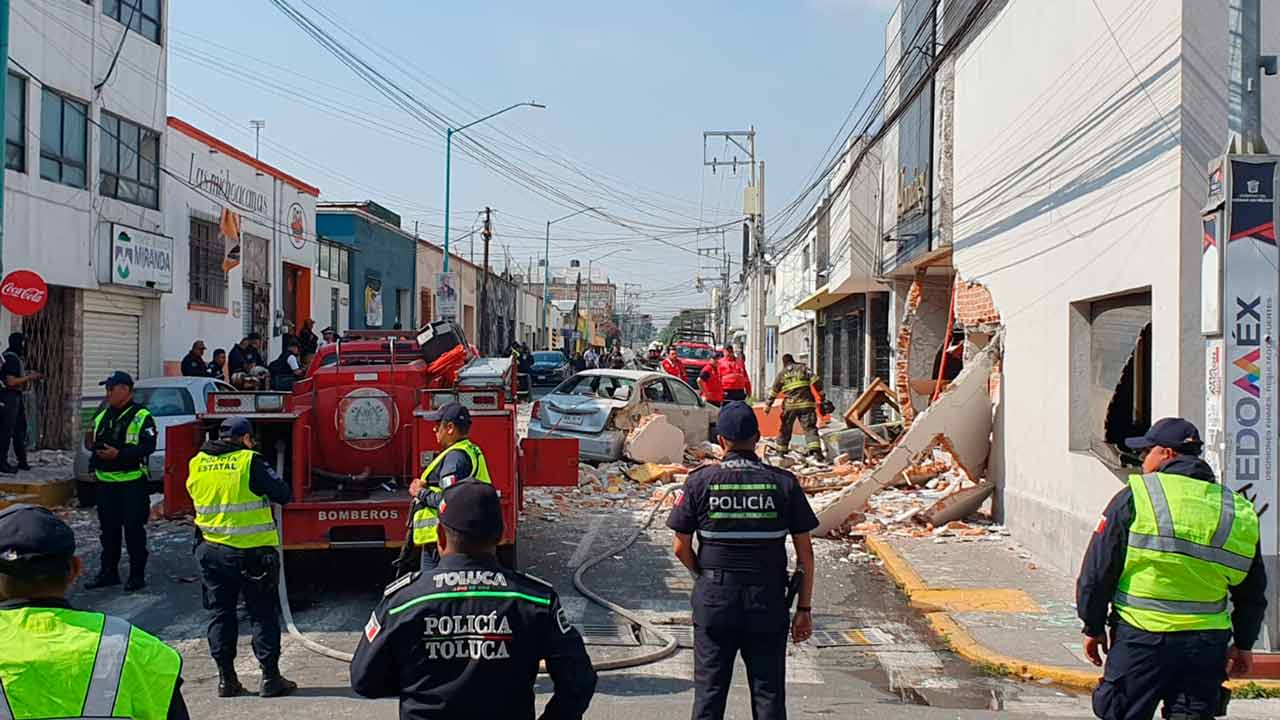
(356, 430)
(696, 350)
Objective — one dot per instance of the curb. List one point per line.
(951, 632)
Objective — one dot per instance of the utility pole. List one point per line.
(487, 234)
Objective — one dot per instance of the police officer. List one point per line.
(236, 540)
(57, 661)
(796, 385)
(463, 639)
(742, 511)
(124, 436)
(1168, 553)
(461, 459)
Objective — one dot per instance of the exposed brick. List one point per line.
(974, 305)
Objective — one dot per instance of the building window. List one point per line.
(835, 361)
(1110, 380)
(208, 279)
(15, 125)
(63, 139)
(130, 171)
(140, 16)
(333, 262)
(855, 347)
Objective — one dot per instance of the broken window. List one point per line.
(1110, 374)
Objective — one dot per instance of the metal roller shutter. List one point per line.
(111, 338)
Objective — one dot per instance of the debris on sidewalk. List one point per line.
(655, 440)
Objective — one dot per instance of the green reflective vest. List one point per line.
(131, 434)
(1189, 542)
(425, 520)
(227, 511)
(60, 663)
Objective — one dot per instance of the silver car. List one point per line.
(172, 401)
(599, 407)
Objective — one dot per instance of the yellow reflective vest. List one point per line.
(62, 663)
(131, 436)
(426, 520)
(227, 511)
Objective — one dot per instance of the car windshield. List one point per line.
(597, 386)
(165, 401)
(548, 358)
(694, 353)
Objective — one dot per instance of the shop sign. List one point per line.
(141, 259)
(23, 292)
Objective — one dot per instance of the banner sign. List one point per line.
(23, 292)
(447, 296)
(141, 259)
(1211, 275)
(1252, 284)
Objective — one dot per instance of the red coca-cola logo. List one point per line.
(23, 292)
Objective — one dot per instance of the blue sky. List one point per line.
(629, 89)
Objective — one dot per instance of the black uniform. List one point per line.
(194, 366)
(227, 573)
(237, 357)
(464, 641)
(123, 507)
(742, 511)
(13, 412)
(1185, 669)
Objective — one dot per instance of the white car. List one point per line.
(172, 401)
(599, 407)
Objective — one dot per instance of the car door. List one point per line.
(699, 416)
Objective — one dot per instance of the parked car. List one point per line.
(550, 367)
(172, 401)
(599, 407)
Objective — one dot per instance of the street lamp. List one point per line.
(546, 273)
(448, 156)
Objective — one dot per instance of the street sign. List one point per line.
(23, 292)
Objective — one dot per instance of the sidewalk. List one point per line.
(996, 606)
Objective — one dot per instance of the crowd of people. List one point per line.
(244, 366)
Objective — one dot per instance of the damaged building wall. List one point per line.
(1073, 184)
(920, 338)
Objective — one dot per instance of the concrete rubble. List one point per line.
(655, 440)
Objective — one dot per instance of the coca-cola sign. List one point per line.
(23, 292)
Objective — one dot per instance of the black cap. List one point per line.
(454, 412)
(737, 421)
(235, 427)
(253, 336)
(472, 507)
(34, 542)
(1173, 433)
(118, 377)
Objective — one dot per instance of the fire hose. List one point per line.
(666, 650)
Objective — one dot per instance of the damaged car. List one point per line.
(598, 408)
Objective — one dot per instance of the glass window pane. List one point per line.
(50, 169)
(14, 105)
(323, 267)
(149, 196)
(343, 257)
(12, 156)
(335, 264)
(107, 185)
(128, 150)
(110, 146)
(128, 190)
(149, 152)
(73, 176)
(50, 123)
(111, 8)
(73, 130)
(149, 29)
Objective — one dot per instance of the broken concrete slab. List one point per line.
(655, 440)
(960, 420)
(958, 505)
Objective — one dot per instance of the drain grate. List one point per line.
(612, 635)
(827, 636)
(823, 637)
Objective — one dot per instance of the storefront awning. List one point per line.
(822, 297)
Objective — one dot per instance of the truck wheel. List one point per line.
(509, 557)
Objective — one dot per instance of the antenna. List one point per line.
(257, 126)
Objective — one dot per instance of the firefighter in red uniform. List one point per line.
(673, 365)
(733, 375)
(709, 383)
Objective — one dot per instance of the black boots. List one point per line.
(273, 683)
(228, 684)
(136, 581)
(104, 579)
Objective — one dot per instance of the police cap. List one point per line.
(118, 377)
(472, 508)
(34, 542)
(737, 421)
(454, 412)
(235, 427)
(1173, 433)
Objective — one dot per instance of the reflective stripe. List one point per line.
(1226, 518)
(100, 700)
(1195, 550)
(232, 508)
(795, 385)
(743, 534)
(1179, 607)
(246, 530)
(1159, 504)
(430, 522)
(5, 712)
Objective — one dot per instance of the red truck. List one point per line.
(696, 350)
(353, 433)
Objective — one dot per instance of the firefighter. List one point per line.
(124, 436)
(236, 539)
(1168, 553)
(61, 662)
(464, 639)
(673, 365)
(797, 386)
(709, 383)
(742, 511)
(461, 459)
(733, 375)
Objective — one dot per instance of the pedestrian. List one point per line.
(286, 370)
(124, 436)
(328, 336)
(592, 357)
(673, 365)
(218, 368)
(449, 650)
(460, 460)
(13, 411)
(244, 351)
(236, 541)
(193, 364)
(797, 385)
(579, 362)
(742, 511)
(58, 661)
(733, 375)
(308, 343)
(709, 383)
(1169, 552)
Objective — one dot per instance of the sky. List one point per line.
(629, 90)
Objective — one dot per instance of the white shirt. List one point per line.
(293, 363)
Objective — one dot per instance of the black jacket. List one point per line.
(263, 480)
(464, 641)
(194, 366)
(1104, 563)
(114, 428)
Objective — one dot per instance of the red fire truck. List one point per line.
(354, 432)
